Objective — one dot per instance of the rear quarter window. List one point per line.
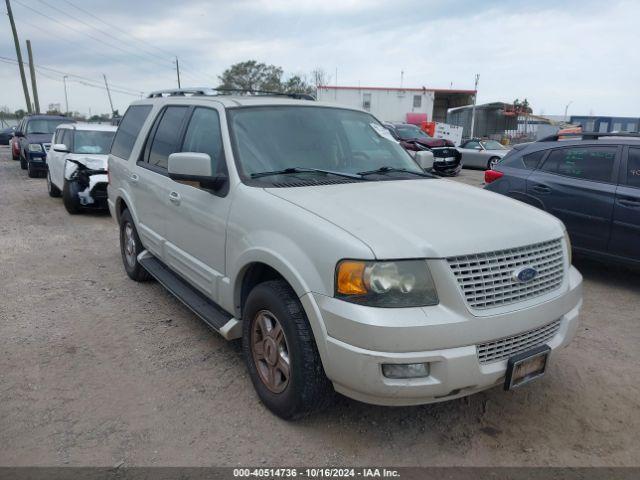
(633, 167)
(129, 129)
(528, 161)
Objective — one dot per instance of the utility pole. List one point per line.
(566, 110)
(473, 109)
(19, 56)
(66, 98)
(32, 72)
(178, 71)
(108, 93)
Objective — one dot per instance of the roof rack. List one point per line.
(588, 136)
(208, 91)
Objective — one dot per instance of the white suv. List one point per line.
(77, 165)
(305, 229)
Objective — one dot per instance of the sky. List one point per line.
(582, 53)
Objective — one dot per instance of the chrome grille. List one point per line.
(486, 279)
(510, 346)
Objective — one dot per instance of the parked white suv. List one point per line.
(77, 165)
(305, 229)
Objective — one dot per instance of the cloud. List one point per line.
(550, 53)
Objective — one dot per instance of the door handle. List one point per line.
(541, 189)
(175, 197)
(629, 202)
(134, 178)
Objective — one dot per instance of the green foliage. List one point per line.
(251, 75)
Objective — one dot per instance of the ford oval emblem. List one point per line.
(524, 274)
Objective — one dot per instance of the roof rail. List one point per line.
(208, 91)
(589, 136)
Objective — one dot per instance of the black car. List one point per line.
(6, 134)
(446, 158)
(591, 183)
(34, 135)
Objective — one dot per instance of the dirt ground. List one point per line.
(97, 370)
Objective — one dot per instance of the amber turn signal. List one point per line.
(350, 278)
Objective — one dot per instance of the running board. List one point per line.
(206, 309)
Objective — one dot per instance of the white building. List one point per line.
(393, 104)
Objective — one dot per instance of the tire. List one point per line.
(130, 251)
(32, 172)
(51, 188)
(14, 156)
(493, 161)
(23, 162)
(70, 197)
(307, 388)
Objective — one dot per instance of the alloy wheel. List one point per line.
(129, 245)
(270, 351)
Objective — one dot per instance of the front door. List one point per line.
(196, 227)
(625, 231)
(577, 185)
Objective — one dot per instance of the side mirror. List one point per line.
(424, 158)
(60, 147)
(193, 167)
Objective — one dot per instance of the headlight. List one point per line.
(35, 147)
(568, 241)
(402, 283)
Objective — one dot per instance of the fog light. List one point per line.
(405, 370)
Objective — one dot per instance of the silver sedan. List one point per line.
(483, 154)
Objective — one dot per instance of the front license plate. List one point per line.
(526, 367)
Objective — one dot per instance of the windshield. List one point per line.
(44, 125)
(408, 132)
(97, 142)
(275, 138)
(492, 145)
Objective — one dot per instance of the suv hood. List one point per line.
(39, 137)
(92, 161)
(425, 218)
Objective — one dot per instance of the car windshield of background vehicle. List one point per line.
(493, 145)
(411, 131)
(276, 138)
(96, 142)
(43, 126)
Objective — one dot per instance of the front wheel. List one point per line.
(23, 162)
(492, 163)
(281, 354)
(32, 172)
(70, 197)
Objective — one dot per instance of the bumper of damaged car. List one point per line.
(95, 193)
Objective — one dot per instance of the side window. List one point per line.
(57, 135)
(166, 139)
(587, 163)
(532, 160)
(66, 138)
(472, 145)
(203, 136)
(633, 167)
(129, 129)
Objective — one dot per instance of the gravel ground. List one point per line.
(98, 370)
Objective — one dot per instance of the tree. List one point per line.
(297, 84)
(20, 113)
(320, 78)
(251, 75)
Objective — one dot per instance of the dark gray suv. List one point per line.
(591, 182)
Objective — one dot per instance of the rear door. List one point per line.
(625, 230)
(577, 185)
(152, 184)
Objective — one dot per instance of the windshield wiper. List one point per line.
(383, 170)
(291, 170)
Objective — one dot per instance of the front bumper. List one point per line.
(37, 161)
(358, 340)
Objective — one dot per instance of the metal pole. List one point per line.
(108, 93)
(473, 109)
(66, 98)
(566, 110)
(19, 56)
(178, 71)
(32, 72)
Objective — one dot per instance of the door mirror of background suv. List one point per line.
(190, 167)
(60, 147)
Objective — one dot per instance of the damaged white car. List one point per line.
(77, 165)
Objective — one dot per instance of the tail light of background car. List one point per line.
(492, 176)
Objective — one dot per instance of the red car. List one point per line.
(15, 148)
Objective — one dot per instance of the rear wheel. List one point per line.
(281, 353)
(70, 197)
(51, 188)
(130, 248)
(492, 163)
